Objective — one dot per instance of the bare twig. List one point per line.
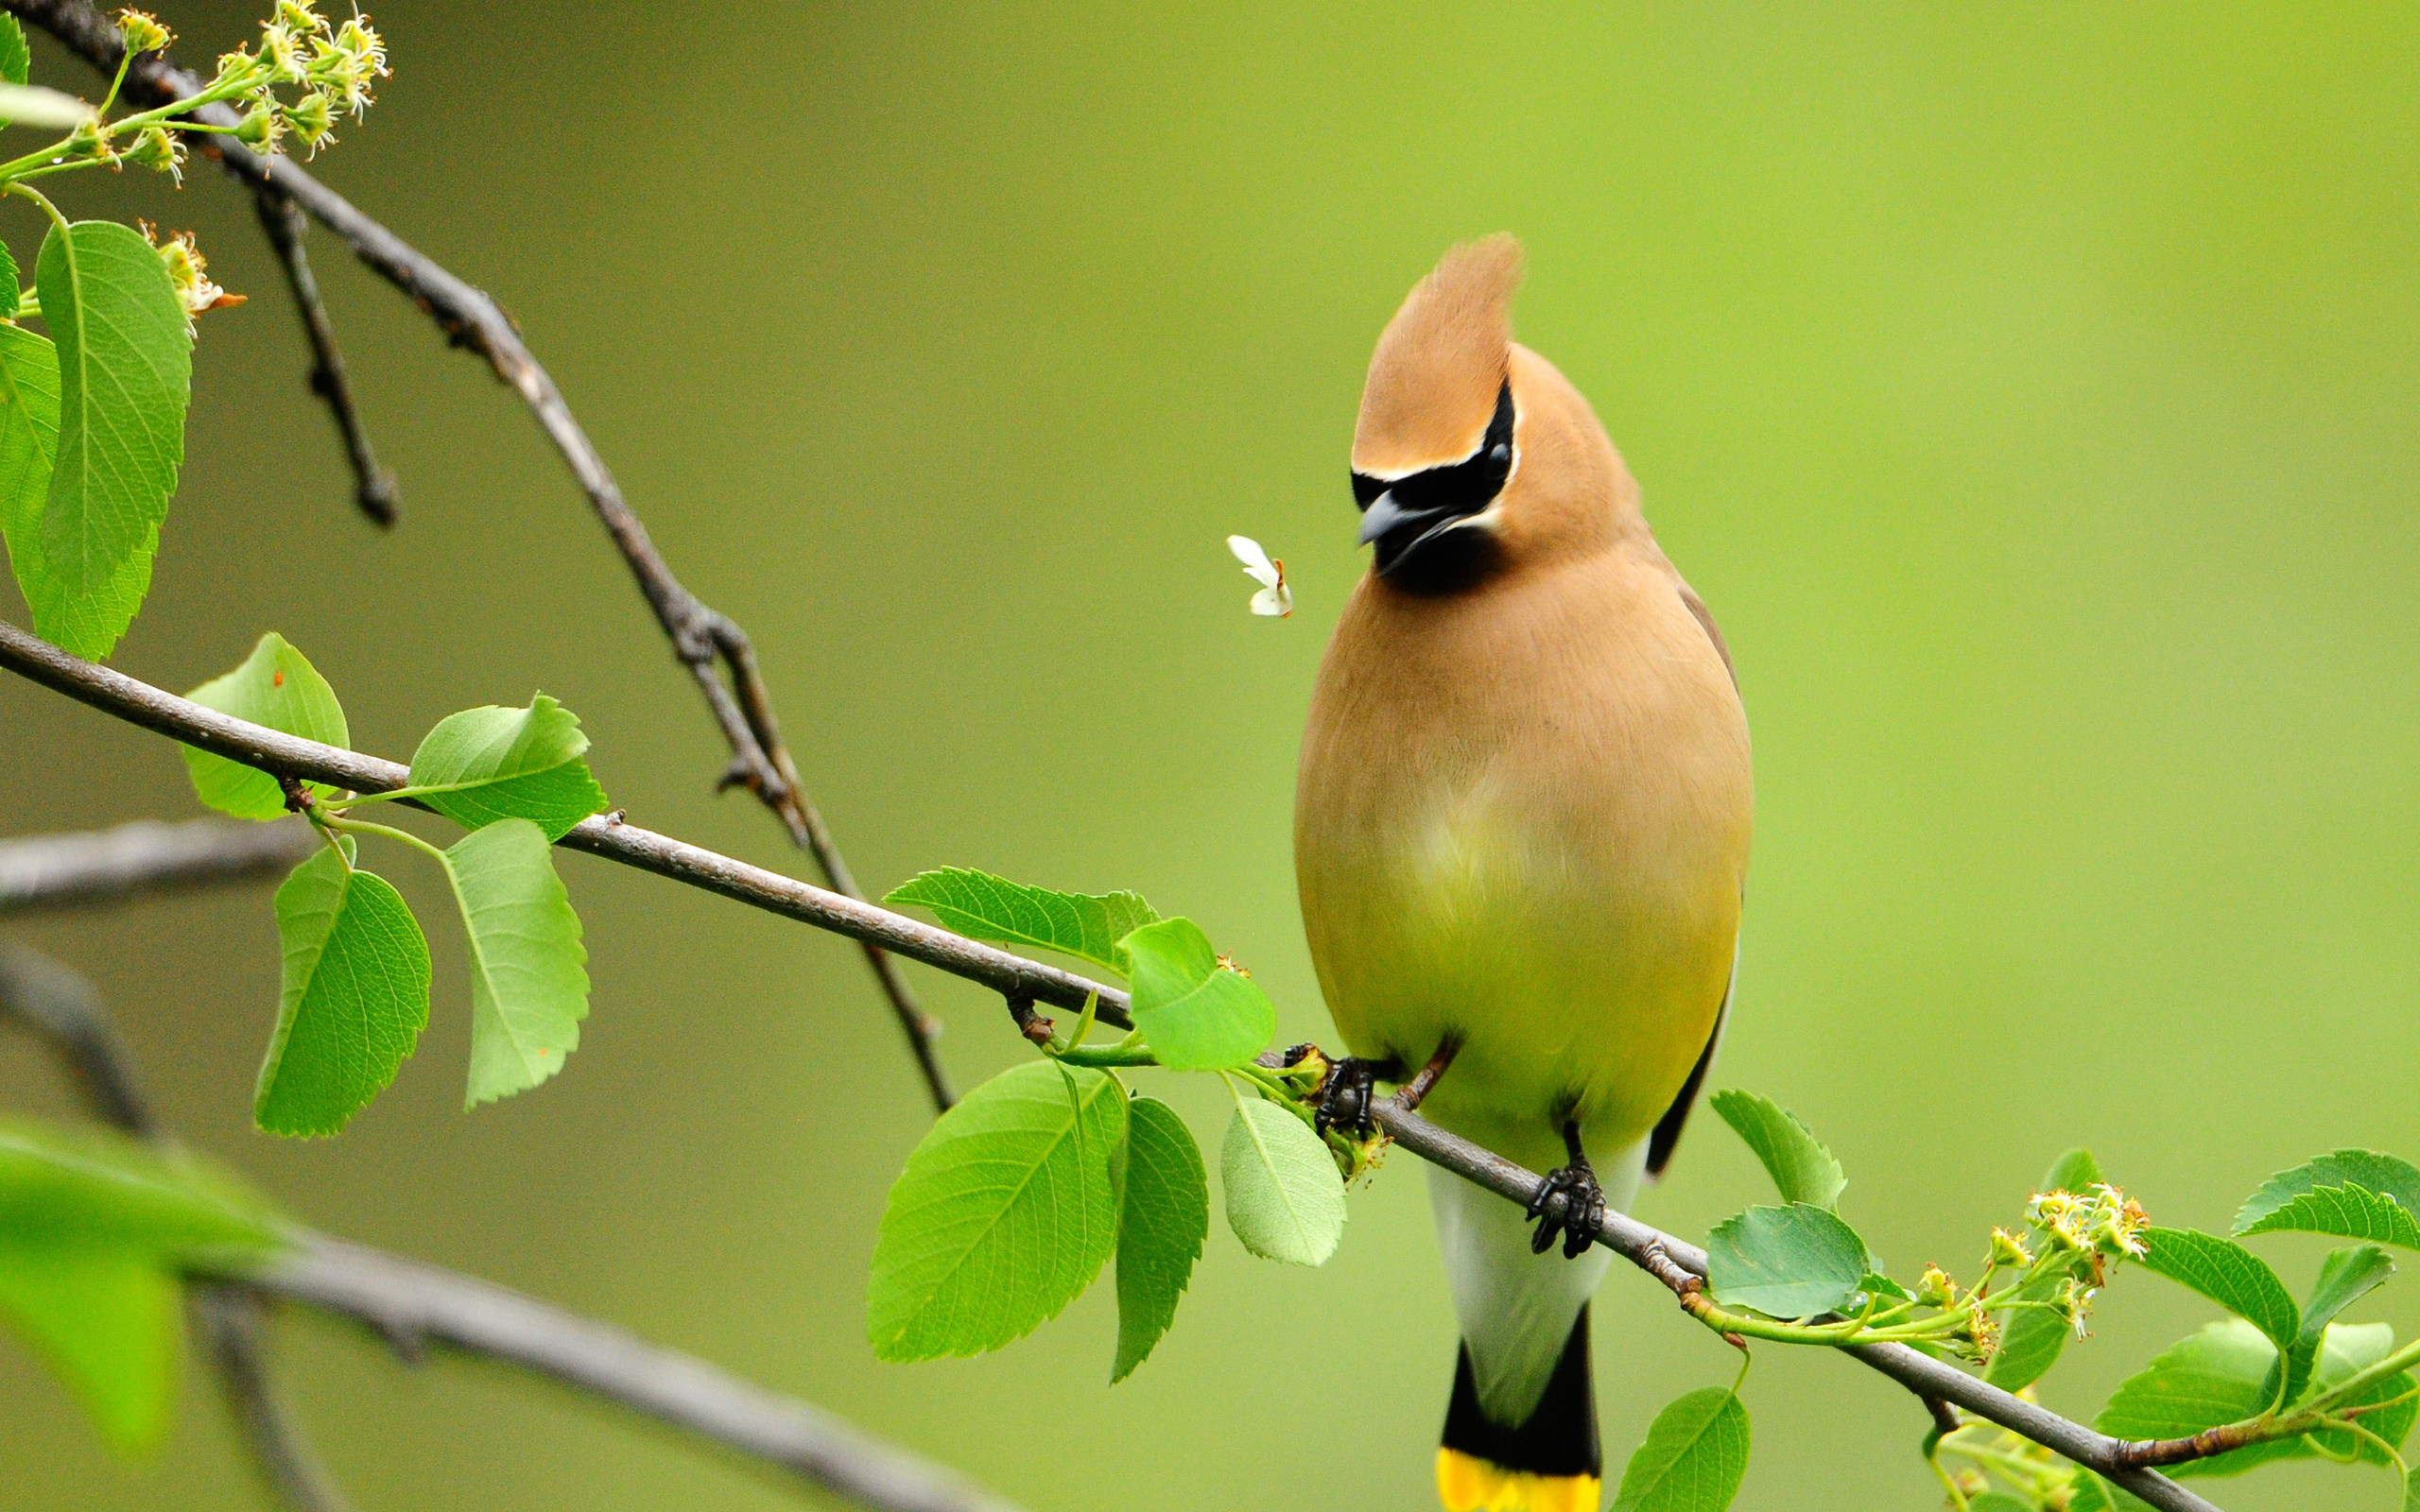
(285, 226)
(59, 1008)
(1023, 982)
(411, 1305)
(702, 637)
(66, 870)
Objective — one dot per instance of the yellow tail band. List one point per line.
(1466, 1483)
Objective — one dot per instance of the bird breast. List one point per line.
(1522, 821)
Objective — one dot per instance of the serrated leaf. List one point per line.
(1197, 1013)
(529, 976)
(1694, 1458)
(488, 764)
(93, 1228)
(2072, 1172)
(88, 625)
(2227, 1274)
(276, 686)
(982, 907)
(1005, 1211)
(1788, 1262)
(2030, 1338)
(124, 372)
(2346, 1277)
(1801, 1166)
(354, 1000)
(1161, 1228)
(2223, 1374)
(1284, 1199)
(2384, 1175)
(16, 58)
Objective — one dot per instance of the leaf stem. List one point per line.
(365, 827)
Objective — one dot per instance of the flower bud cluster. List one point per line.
(188, 273)
(2103, 1223)
(332, 67)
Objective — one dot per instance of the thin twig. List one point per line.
(59, 1008)
(1023, 982)
(69, 871)
(285, 226)
(702, 637)
(411, 1305)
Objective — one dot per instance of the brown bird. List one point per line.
(1520, 832)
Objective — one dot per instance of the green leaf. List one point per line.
(1787, 1263)
(2227, 1274)
(10, 295)
(1797, 1160)
(2031, 1337)
(2411, 1492)
(2353, 1213)
(2347, 1276)
(124, 372)
(1007, 1211)
(1998, 1502)
(16, 58)
(492, 762)
(2072, 1172)
(354, 1002)
(2224, 1375)
(2379, 1176)
(1284, 1199)
(1197, 1013)
(278, 687)
(92, 1229)
(1694, 1458)
(2093, 1494)
(89, 625)
(1160, 1229)
(982, 907)
(528, 982)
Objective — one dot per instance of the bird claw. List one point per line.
(1583, 1210)
(1345, 1097)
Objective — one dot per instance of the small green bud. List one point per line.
(156, 148)
(140, 32)
(312, 118)
(260, 127)
(1935, 1289)
(281, 54)
(302, 19)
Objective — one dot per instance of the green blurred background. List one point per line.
(2030, 389)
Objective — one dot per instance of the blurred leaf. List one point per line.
(528, 982)
(1787, 1263)
(51, 110)
(93, 1228)
(1998, 1502)
(1694, 1458)
(2222, 1375)
(1197, 1013)
(1284, 1199)
(2411, 1492)
(1876, 1282)
(2030, 1338)
(356, 997)
(1160, 1227)
(278, 687)
(2093, 1494)
(492, 762)
(2355, 1194)
(1797, 1160)
(10, 294)
(16, 58)
(87, 625)
(2227, 1274)
(2072, 1172)
(982, 907)
(124, 372)
(1005, 1211)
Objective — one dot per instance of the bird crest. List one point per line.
(1438, 368)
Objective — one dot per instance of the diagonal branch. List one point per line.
(702, 637)
(284, 225)
(59, 1008)
(1673, 1260)
(66, 870)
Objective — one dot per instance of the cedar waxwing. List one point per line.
(1520, 833)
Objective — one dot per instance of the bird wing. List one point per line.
(1667, 1136)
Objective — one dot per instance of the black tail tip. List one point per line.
(1550, 1462)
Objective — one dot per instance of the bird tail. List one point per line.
(1550, 1463)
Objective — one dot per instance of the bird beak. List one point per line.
(1397, 530)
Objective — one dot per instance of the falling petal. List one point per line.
(1256, 563)
(1277, 600)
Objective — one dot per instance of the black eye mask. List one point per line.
(1399, 515)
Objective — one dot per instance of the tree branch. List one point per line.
(59, 1008)
(66, 870)
(412, 1304)
(1674, 1261)
(702, 637)
(284, 225)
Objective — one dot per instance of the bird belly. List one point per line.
(1576, 959)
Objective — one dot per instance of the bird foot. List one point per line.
(1582, 1212)
(1345, 1097)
